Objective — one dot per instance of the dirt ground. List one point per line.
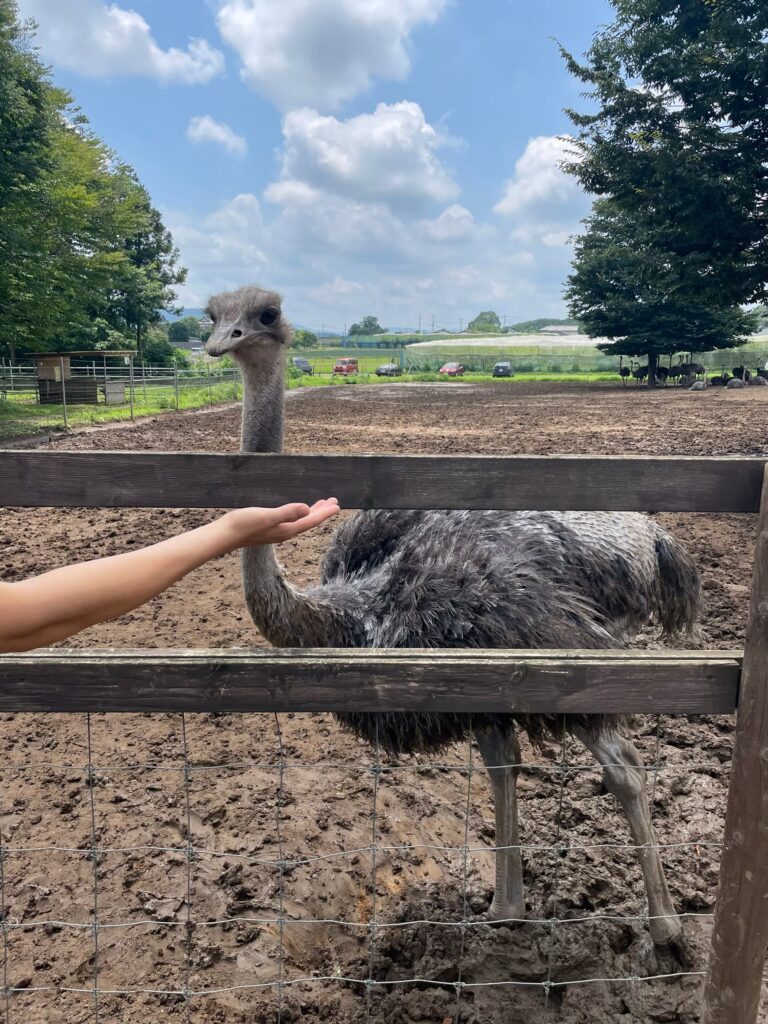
(320, 826)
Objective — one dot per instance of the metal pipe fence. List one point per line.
(94, 395)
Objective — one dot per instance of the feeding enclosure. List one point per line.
(461, 680)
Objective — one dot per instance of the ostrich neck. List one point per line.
(263, 402)
(286, 616)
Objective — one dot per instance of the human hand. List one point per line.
(247, 527)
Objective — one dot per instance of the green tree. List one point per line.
(28, 111)
(158, 351)
(184, 329)
(619, 290)
(147, 286)
(486, 321)
(80, 244)
(303, 338)
(677, 145)
(367, 326)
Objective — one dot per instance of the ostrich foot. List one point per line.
(505, 912)
(666, 931)
(676, 954)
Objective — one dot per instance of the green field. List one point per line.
(21, 415)
(543, 358)
(326, 380)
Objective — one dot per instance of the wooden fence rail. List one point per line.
(583, 682)
(679, 682)
(179, 480)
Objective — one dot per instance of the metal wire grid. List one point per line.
(558, 855)
(282, 865)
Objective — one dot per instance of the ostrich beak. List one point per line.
(226, 337)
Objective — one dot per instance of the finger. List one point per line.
(287, 513)
(286, 531)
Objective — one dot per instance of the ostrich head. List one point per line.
(248, 323)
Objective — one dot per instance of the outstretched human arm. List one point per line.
(51, 607)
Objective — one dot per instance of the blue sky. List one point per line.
(395, 157)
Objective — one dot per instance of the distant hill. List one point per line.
(524, 327)
(198, 312)
(532, 326)
(170, 317)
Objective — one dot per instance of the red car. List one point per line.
(346, 367)
(452, 370)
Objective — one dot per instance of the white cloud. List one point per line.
(454, 223)
(542, 203)
(206, 129)
(539, 180)
(224, 247)
(322, 52)
(337, 259)
(389, 155)
(99, 39)
(338, 246)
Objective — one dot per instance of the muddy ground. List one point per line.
(147, 891)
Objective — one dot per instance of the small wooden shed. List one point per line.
(55, 382)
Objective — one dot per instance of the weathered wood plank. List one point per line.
(154, 479)
(370, 680)
(740, 935)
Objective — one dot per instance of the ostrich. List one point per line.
(467, 579)
(640, 373)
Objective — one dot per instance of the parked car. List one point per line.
(346, 367)
(503, 370)
(389, 370)
(452, 370)
(302, 364)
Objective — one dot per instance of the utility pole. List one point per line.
(461, 325)
(419, 323)
(433, 323)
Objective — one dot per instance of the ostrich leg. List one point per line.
(624, 776)
(500, 746)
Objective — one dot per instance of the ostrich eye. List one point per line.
(269, 316)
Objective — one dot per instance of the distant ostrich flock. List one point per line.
(689, 374)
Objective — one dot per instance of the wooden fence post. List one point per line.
(740, 935)
(63, 393)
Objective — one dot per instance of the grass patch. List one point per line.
(328, 380)
(20, 415)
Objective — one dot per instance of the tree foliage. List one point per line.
(676, 150)
(158, 351)
(486, 321)
(618, 291)
(303, 338)
(184, 329)
(84, 257)
(367, 326)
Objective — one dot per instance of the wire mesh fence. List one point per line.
(92, 394)
(343, 882)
